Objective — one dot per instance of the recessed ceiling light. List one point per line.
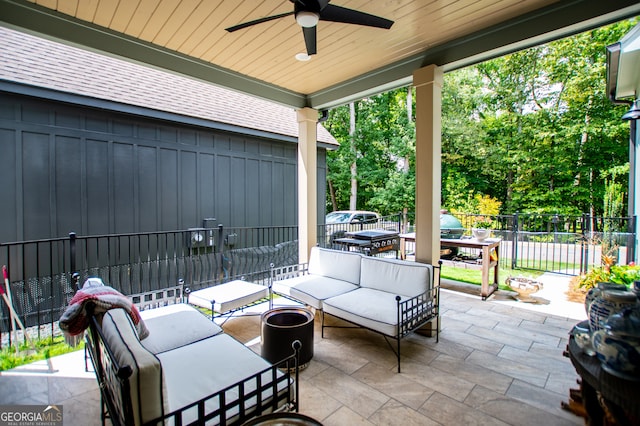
(302, 57)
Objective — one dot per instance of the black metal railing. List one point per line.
(40, 271)
(567, 244)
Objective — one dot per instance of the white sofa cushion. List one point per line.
(341, 265)
(312, 289)
(146, 379)
(395, 276)
(205, 367)
(174, 326)
(228, 296)
(371, 308)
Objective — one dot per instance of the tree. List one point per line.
(532, 129)
(381, 154)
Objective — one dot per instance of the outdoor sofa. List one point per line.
(187, 371)
(389, 296)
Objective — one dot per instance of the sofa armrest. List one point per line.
(113, 378)
(129, 376)
(289, 271)
(415, 312)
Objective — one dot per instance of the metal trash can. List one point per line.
(280, 327)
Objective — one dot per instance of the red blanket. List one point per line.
(75, 320)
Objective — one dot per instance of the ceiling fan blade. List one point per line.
(349, 16)
(310, 40)
(257, 21)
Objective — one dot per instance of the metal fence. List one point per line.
(40, 271)
(559, 243)
(552, 243)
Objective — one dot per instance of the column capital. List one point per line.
(428, 75)
(307, 114)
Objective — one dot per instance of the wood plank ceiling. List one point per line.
(265, 53)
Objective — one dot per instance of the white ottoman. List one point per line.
(229, 296)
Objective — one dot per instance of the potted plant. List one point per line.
(482, 228)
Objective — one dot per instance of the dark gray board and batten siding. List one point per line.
(92, 171)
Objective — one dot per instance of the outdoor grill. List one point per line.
(371, 241)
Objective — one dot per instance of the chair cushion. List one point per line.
(174, 326)
(146, 380)
(205, 367)
(341, 265)
(395, 276)
(312, 289)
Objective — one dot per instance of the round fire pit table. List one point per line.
(283, 419)
(280, 328)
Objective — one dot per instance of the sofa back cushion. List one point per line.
(146, 380)
(396, 276)
(339, 265)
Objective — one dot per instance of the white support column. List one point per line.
(307, 182)
(634, 185)
(428, 84)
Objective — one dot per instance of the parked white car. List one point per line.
(342, 221)
(352, 216)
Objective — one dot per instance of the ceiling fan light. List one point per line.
(307, 19)
(302, 57)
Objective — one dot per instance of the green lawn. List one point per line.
(42, 349)
(474, 276)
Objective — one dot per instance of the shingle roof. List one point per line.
(43, 63)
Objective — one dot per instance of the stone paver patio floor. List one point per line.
(498, 362)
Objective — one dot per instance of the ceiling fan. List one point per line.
(309, 12)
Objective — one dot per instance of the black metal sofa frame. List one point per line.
(413, 314)
(116, 402)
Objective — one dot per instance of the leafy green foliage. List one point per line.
(384, 154)
(532, 130)
(619, 274)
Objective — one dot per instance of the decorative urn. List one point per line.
(617, 344)
(607, 303)
(596, 291)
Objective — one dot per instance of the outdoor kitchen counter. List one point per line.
(490, 250)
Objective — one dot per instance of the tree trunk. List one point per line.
(332, 193)
(405, 166)
(353, 198)
(583, 141)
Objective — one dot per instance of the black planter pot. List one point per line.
(280, 328)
